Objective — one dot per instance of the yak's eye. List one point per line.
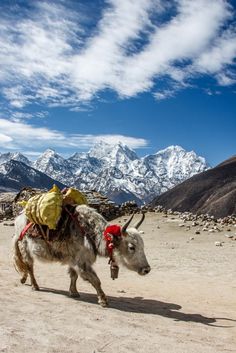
(131, 247)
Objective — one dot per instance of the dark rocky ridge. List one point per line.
(212, 192)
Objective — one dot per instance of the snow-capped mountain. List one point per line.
(118, 155)
(15, 175)
(119, 173)
(55, 166)
(16, 156)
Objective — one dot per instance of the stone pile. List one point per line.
(202, 222)
(128, 207)
(107, 208)
(24, 195)
(6, 200)
(101, 203)
(110, 210)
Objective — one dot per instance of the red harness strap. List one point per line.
(109, 232)
(22, 234)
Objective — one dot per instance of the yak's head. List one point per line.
(130, 249)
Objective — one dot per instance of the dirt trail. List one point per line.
(186, 304)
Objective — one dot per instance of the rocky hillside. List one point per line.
(212, 192)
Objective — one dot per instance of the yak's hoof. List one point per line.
(74, 294)
(103, 302)
(23, 279)
(35, 288)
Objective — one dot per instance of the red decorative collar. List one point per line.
(110, 232)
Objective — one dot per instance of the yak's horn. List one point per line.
(125, 226)
(138, 224)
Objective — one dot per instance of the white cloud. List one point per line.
(22, 136)
(210, 92)
(226, 79)
(101, 63)
(19, 116)
(164, 94)
(4, 139)
(50, 56)
(220, 54)
(183, 38)
(16, 96)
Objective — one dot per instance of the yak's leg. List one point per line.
(24, 262)
(29, 263)
(73, 278)
(19, 262)
(88, 274)
(24, 277)
(34, 284)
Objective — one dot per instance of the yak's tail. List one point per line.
(19, 264)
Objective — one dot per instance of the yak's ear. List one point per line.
(125, 226)
(138, 224)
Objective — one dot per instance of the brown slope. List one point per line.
(213, 192)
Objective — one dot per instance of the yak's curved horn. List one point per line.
(138, 224)
(125, 226)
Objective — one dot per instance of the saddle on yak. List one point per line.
(51, 213)
(62, 230)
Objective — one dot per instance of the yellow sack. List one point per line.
(74, 196)
(45, 208)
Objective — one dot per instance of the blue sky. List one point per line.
(149, 73)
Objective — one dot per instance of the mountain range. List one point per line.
(114, 170)
(14, 175)
(212, 192)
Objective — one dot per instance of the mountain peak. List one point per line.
(54, 165)
(49, 152)
(112, 151)
(17, 156)
(172, 149)
(15, 175)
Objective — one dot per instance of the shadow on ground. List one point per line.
(145, 306)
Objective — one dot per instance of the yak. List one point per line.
(88, 236)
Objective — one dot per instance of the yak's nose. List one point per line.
(145, 270)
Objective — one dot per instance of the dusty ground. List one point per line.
(186, 304)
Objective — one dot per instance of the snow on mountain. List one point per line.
(54, 166)
(85, 168)
(170, 167)
(3, 169)
(176, 159)
(16, 156)
(117, 171)
(115, 155)
(15, 175)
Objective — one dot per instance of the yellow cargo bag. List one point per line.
(74, 196)
(45, 208)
